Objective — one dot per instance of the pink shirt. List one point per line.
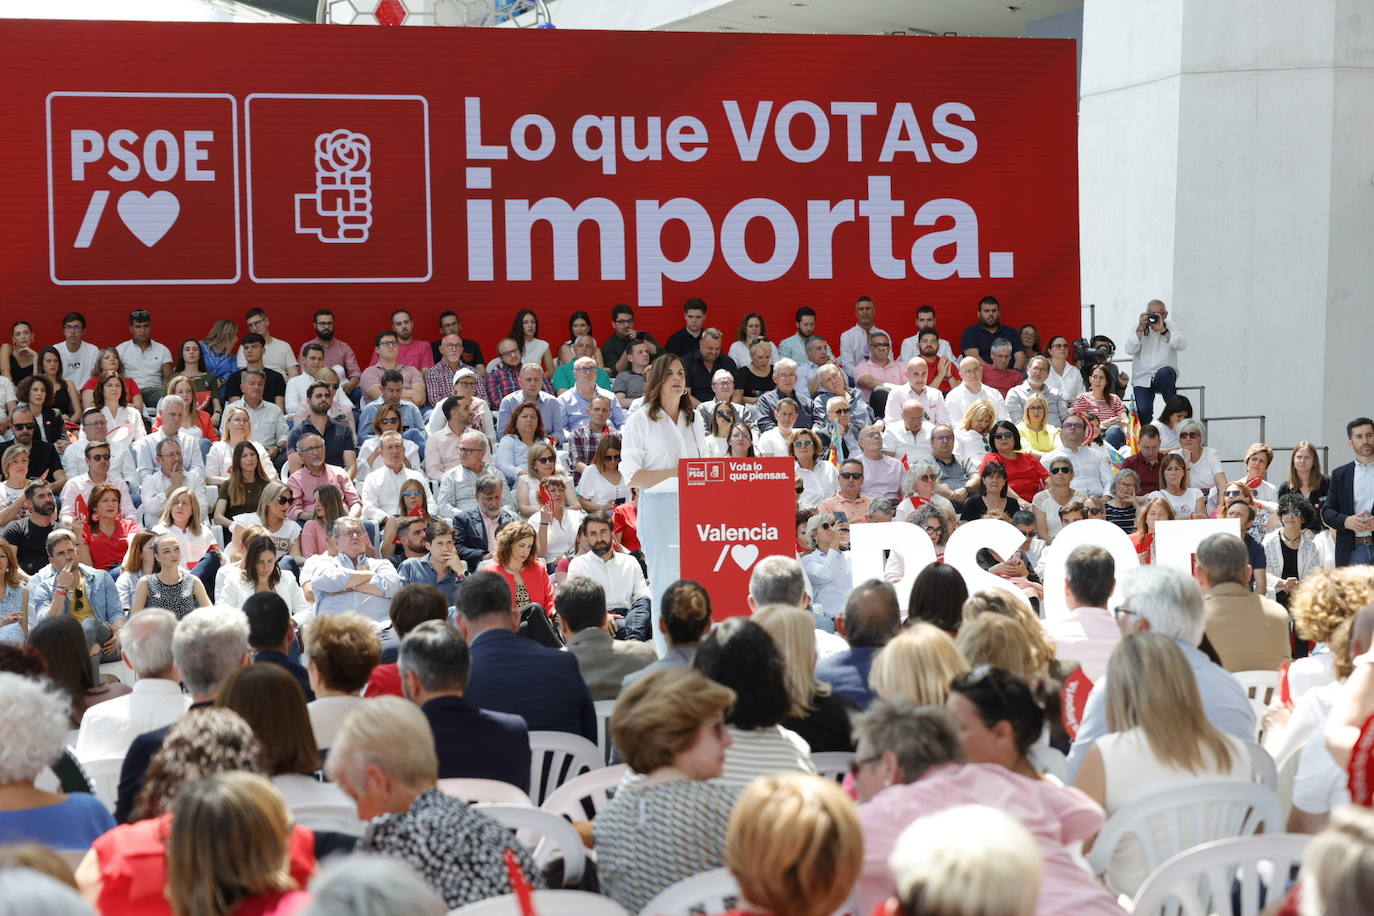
(416, 353)
(1086, 635)
(893, 373)
(1055, 816)
(305, 482)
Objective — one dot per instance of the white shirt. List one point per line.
(276, 355)
(221, 453)
(327, 715)
(1086, 635)
(969, 443)
(125, 425)
(771, 443)
(1152, 352)
(287, 533)
(157, 487)
(1364, 487)
(819, 483)
(1203, 472)
(193, 546)
(108, 728)
(297, 387)
(381, 492)
(903, 443)
(959, 399)
(144, 366)
(1091, 472)
(368, 448)
(1045, 502)
(854, 345)
(560, 536)
(656, 445)
(232, 590)
(910, 350)
(269, 425)
(620, 577)
(1069, 384)
(937, 413)
(739, 352)
(78, 366)
(317, 805)
(82, 485)
(596, 488)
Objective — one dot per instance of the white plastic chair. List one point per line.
(1176, 819)
(571, 799)
(604, 710)
(833, 764)
(485, 791)
(1260, 687)
(104, 775)
(714, 891)
(546, 834)
(555, 758)
(1212, 877)
(546, 903)
(1262, 766)
(1288, 777)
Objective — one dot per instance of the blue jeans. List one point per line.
(1115, 435)
(206, 570)
(1165, 384)
(1362, 554)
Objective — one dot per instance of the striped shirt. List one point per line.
(759, 751)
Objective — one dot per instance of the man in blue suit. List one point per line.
(871, 618)
(474, 531)
(517, 675)
(1350, 503)
(471, 743)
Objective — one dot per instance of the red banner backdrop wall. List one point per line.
(200, 170)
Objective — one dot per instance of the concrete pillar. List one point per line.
(1226, 166)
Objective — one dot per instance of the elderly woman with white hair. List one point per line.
(33, 729)
(359, 885)
(827, 567)
(384, 759)
(1204, 467)
(918, 490)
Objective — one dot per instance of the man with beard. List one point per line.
(409, 351)
(30, 535)
(925, 321)
(1348, 509)
(618, 574)
(978, 338)
(340, 445)
(474, 530)
(450, 323)
(336, 353)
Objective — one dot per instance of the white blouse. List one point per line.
(739, 352)
(1069, 385)
(230, 589)
(820, 482)
(657, 445)
(1203, 472)
(1046, 503)
(221, 454)
(773, 442)
(594, 487)
(1185, 505)
(124, 425)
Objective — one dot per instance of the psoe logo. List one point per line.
(699, 472)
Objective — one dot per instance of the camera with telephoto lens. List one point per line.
(1099, 350)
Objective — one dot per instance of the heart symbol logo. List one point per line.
(744, 555)
(149, 216)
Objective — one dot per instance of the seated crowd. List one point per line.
(332, 588)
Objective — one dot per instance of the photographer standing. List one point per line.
(1154, 367)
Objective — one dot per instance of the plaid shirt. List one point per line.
(438, 383)
(502, 380)
(581, 447)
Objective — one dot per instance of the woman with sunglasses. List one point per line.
(994, 495)
(1263, 522)
(1058, 493)
(718, 437)
(602, 486)
(937, 524)
(541, 474)
(827, 568)
(63, 392)
(819, 478)
(1204, 467)
(1289, 556)
(1030, 342)
(1305, 478)
(918, 490)
(238, 429)
(1064, 376)
(556, 521)
(970, 439)
(774, 441)
(1094, 507)
(1187, 502)
(1025, 474)
(271, 515)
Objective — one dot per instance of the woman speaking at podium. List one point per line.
(662, 430)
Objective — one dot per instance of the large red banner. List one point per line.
(200, 170)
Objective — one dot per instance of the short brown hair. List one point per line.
(658, 717)
(344, 648)
(794, 844)
(273, 704)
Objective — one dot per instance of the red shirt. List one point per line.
(106, 550)
(385, 681)
(951, 379)
(625, 518)
(535, 577)
(1026, 475)
(1149, 473)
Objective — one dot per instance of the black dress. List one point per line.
(826, 727)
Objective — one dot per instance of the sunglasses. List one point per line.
(850, 475)
(1061, 470)
(1190, 435)
(1003, 435)
(544, 459)
(283, 500)
(800, 489)
(1092, 511)
(389, 420)
(842, 410)
(97, 457)
(410, 492)
(23, 425)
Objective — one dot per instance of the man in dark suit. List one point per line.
(272, 633)
(209, 644)
(471, 743)
(474, 531)
(517, 675)
(871, 618)
(1349, 506)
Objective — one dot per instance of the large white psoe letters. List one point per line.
(1175, 544)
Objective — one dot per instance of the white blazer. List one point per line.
(656, 445)
(1309, 558)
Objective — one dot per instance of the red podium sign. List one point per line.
(734, 512)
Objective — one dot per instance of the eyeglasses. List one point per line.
(470, 451)
(803, 443)
(839, 410)
(933, 530)
(878, 346)
(387, 343)
(73, 327)
(852, 475)
(1229, 493)
(1073, 426)
(624, 321)
(1061, 470)
(800, 489)
(353, 533)
(941, 438)
(1122, 611)
(310, 448)
(385, 420)
(97, 457)
(507, 352)
(859, 763)
(927, 477)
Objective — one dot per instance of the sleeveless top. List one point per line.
(17, 372)
(180, 599)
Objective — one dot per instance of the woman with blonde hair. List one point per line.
(992, 639)
(1037, 435)
(1000, 601)
(818, 715)
(1186, 501)
(540, 468)
(238, 428)
(181, 517)
(917, 666)
(1159, 739)
(971, 438)
(1153, 509)
(230, 849)
(14, 595)
(671, 824)
(197, 420)
(140, 560)
(271, 514)
(794, 844)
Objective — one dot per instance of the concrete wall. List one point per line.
(1225, 167)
